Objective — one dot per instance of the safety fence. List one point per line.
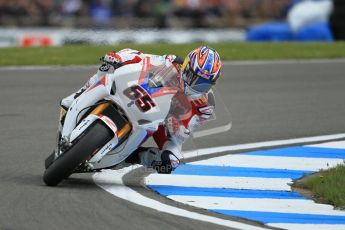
(57, 36)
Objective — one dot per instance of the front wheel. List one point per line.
(91, 140)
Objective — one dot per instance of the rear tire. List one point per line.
(93, 138)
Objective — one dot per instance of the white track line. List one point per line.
(309, 226)
(256, 183)
(271, 162)
(111, 181)
(264, 144)
(259, 205)
(333, 144)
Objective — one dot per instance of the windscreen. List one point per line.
(180, 121)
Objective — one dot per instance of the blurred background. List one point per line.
(141, 13)
(57, 22)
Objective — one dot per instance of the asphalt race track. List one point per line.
(267, 101)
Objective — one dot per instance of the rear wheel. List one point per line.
(92, 139)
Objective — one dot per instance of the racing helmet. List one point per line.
(200, 70)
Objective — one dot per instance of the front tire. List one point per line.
(93, 138)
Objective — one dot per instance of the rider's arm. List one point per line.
(111, 61)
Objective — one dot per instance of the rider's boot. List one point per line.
(144, 156)
(149, 157)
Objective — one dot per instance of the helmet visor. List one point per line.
(195, 82)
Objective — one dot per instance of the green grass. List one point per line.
(87, 54)
(328, 186)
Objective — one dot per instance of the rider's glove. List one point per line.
(112, 59)
(168, 163)
(206, 112)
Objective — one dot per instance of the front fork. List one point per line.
(96, 113)
(62, 116)
(57, 151)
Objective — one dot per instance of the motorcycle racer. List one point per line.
(199, 71)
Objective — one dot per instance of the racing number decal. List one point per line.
(141, 98)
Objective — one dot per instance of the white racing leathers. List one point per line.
(169, 134)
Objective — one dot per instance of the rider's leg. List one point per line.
(144, 156)
(161, 161)
(65, 103)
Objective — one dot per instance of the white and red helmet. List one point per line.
(201, 69)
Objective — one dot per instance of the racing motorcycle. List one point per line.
(142, 96)
(140, 100)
